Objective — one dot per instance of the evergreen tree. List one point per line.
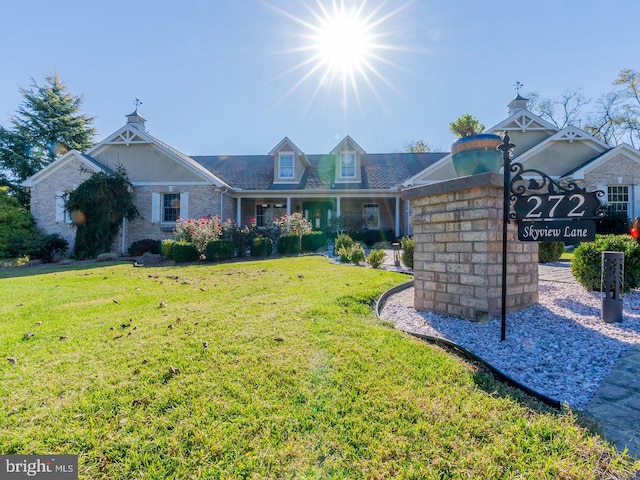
(47, 124)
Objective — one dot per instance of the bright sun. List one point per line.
(343, 42)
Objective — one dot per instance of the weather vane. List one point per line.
(137, 102)
(517, 86)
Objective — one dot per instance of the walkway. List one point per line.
(616, 404)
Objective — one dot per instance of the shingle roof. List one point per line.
(255, 172)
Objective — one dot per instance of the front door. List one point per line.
(317, 214)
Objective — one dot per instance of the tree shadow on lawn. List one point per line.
(46, 268)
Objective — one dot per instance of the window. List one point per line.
(285, 168)
(371, 215)
(170, 207)
(62, 214)
(265, 213)
(618, 199)
(348, 165)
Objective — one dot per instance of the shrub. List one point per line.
(344, 254)
(288, 244)
(372, 236)
(37, 245)
(357, 254)
(313, 241)
(199, 232)
(166, 249)
(407, 251)
(343, 240)
(613, 223)
(587, 260)
(107, 257)
(549, 251)
(375, 258)
(143, 246)
(240, 236)
(261, 247)
(219, 250)
(184, 252)
(15, 221)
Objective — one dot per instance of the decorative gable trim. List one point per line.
(523, 121)
(568, 134)
(126, 136)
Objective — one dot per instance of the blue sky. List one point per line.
(218, 76)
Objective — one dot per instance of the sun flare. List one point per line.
(343, 43)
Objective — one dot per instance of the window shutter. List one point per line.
(60, 207)
(635, 207)
(184, 205)
(155, 208)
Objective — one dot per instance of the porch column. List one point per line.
(397, 216)
(338, 207)
(288, 205)
(239, 211)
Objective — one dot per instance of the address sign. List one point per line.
(565, 213)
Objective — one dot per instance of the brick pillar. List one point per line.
(457, 230)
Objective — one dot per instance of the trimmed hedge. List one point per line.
(314, 241)
(550, 251)
(184, 252)
(261, 247)
(220, 250)
(166, 249)
(288, 244)
(586, 265)
(143, 246)
(38, 245)
(370, 236)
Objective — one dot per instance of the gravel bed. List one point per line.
(558, 347)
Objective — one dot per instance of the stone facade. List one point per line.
(457, 227)
(618, 170)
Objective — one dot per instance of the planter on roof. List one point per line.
(476, 154)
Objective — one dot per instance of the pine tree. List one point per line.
(47, 124)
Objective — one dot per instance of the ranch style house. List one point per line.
(361, 189)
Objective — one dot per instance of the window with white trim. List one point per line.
(371, 215)
(265, 212)
(62, 214)
(170, 207)
(348, 165)
(285, 165)
(618, 199)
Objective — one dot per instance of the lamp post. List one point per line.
(506, 148)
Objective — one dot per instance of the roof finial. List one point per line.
(137, 103)
(517, 86)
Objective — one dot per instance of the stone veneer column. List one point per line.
(457, 230)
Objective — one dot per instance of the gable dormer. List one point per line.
(349, 160)
(289, 162)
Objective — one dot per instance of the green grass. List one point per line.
(300, 380)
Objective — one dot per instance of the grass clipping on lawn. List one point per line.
(269, 369)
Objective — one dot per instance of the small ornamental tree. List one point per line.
(97, 208)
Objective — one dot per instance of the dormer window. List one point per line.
(285, 165)
(348, 165)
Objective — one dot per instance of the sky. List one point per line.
(225, 77)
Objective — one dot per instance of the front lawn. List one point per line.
(297, 379)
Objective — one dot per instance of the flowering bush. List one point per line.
(198, 231)
(294, 224)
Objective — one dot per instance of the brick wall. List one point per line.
(457, 229)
